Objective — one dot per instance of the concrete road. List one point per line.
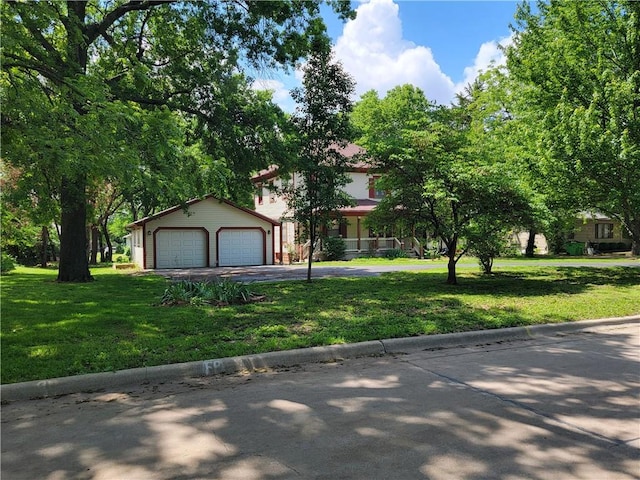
(548, 408)
(271, 273)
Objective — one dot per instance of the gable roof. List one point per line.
(362, 207)
(351, 150)
(145, 220)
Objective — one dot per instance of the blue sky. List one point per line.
(438, 46)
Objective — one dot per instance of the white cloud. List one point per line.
(489, 54)
(372, 49)
(281, 95)
(275, 86)
(374, 52)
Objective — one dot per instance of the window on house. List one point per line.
(260, 200)
(604, 230)
(272, 193)
(374, 191)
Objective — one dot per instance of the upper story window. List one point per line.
(259, 194)
(604, 230)
(272, 193)
(374, 191)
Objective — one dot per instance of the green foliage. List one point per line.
(143, 103)
(577, 67)
(394, 253)
(335, 248)
(20, 236)
(439, 175)
(322, 129)
(611, 247)
(7, 263)
(487, 243)
(219, 292)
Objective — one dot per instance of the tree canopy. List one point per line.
(138, 93)
(434, 174)
(322, 129)
(578, 67)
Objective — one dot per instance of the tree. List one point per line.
(322, 125)
(434, 173)
(579, 67)
(81, 79)
(26, 219)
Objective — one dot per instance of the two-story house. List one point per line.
(359, 239)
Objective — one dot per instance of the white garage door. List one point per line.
(181, 249)
(240, 247)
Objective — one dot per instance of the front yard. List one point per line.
(50, 330)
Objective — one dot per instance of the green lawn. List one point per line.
(51, 330)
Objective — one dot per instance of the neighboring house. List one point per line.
(359, 239)
(593, 233)
(205, 232)
(599, 233)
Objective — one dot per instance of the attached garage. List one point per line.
(205, 232)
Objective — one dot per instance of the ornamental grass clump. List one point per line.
(219, 292)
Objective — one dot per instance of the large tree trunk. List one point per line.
(531, 244)
(74, 265)
(452, 246)
(451, 269)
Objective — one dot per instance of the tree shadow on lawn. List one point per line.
(530, 282)
(401, 304)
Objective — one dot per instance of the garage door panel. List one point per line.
(240, 247)
(181, 249)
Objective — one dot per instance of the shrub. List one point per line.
(335, 248)
(395, 253)
(7, 263)
(292, 251)
(220, 292)
(487, 244)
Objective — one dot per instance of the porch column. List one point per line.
(281, 252)
(358, 224)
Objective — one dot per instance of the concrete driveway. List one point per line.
(549, 408)
(271, 273)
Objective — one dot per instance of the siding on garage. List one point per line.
(209, 214)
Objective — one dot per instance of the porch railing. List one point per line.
(358, 246)
(371, 244)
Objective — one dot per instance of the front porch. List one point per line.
(370, 247)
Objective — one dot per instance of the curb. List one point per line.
(251, 363)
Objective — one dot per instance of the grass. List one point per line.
(50, 330)
(468, 260)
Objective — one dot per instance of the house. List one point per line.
(205, 232)
(592, 233)
(599, 233)
(359, 239)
